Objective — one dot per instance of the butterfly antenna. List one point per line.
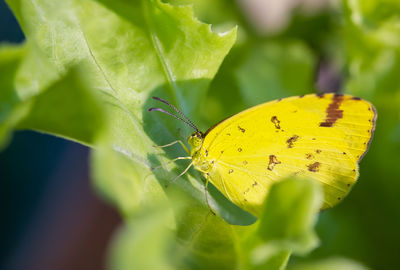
(178, 111)
(177, 117)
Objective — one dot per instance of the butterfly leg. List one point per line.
(206, 194)
(182, 173)
(171, 161)
(173, 143)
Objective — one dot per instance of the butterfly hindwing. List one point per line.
(322, 137)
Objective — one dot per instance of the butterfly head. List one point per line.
(196, 141)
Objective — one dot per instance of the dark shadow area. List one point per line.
(54, 220)
(9, 30)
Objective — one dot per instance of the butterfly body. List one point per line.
(322, 137)
(199, 154)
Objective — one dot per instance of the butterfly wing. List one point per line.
(322, 137)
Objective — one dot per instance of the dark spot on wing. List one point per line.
(241, 129)
(254, 184)
(344, 153)
(318, 151)
(230, 171)
(348, 185)
(239, 149)
(272, 162)
(244, 162)
(276, 122)
(339, 198)
(206, 153)
(314, 167)
(313, 139)
(332, 112)
(228, 134)
(291, 140)
(309, 156)
(222, 151)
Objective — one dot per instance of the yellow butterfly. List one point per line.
(322, 137)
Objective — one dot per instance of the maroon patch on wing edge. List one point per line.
(332, 112)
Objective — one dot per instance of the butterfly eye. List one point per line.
(195, 140)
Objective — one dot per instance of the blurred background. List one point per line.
(53, 220)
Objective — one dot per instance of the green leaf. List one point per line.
(286, 225)
(51, 112)
(67, 108)
(223, 14)
(163, 51)
(11, 109)
(290, 214)
(143, 243)
(87, 73)
(183, 54)
(372, 42)
(330, 264)
(207, 242)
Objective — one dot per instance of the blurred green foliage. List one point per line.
(87, 73)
